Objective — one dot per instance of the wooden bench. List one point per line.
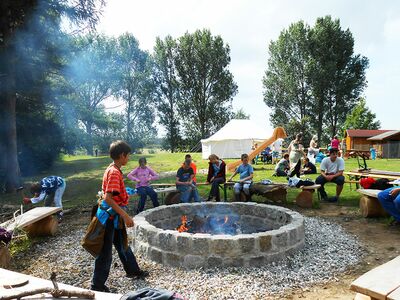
(304, 198)
(383, 282)
(369, 204)
(38, 221)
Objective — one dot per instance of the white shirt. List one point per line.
(332, 167)
(277, 145)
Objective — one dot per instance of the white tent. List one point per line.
(234, 139)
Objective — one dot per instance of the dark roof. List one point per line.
(385, 135)
(364, 132)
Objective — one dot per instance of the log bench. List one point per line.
(39, 221)
(304, 198)
(380, 283)
(369, 204)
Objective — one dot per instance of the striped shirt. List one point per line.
(113, 183)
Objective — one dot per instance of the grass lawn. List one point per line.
(84, 176)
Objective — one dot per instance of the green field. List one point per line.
(84, 175)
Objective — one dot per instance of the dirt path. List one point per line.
(382, 243)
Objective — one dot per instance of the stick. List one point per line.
(53, 292)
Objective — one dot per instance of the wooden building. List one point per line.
(357, 139)
(387, 143)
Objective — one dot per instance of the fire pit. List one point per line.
(218, 234)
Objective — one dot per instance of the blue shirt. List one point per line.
(50, 184)
(245, 171)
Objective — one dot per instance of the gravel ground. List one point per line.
(329, 251)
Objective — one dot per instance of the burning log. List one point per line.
(214, 224)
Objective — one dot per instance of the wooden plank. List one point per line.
(361, 297)
(311, 187)
(35, 283)
(395, 295)
(379, 282)
(369, 192)
(362, 174)
(31, 216)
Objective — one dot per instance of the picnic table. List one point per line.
(380, 283)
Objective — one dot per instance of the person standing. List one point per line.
(276, 150)
(50, 189)
(313, 149)
(332, 168)
(216, 176)
(115, 203)
(143, 175)
(296, 153)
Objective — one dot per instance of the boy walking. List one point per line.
(115, 203)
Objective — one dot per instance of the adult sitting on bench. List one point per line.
(332, 168)
(390, 201)
(216, 176)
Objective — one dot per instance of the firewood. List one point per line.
(55, 293)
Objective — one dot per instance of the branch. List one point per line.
(55, 293)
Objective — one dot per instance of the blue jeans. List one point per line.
(145, 191)
(102, 263)
(389, 203)
(321, 180)
(188, 192)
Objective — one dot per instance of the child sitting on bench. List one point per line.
(246, 178)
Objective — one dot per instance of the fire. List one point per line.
(182, 227)
(225, 219)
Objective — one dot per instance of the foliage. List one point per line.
(241, 115)
(30, 35)
(313, 77)
(167, 90)
(206, 84)
(135, 87)
(361, 118)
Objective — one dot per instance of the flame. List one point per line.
(225, 219)
(182, 227)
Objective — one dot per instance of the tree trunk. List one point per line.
(89, 145)
(128, 121)
(10, 153)
(320, 113)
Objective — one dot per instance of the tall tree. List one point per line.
(92, 76)
(361, 118)
(337, 74)
(241, 115)
(286, 84)
(206, 84)
(136, 88)
(167, 89)
(15, 17)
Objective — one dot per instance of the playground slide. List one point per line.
(279, 132)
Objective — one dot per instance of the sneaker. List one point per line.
(105, 289)
(333, 199)
(138, 275)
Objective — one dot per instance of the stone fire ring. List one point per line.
(156, 238)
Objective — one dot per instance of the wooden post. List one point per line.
(43, 227)
(370, 207)
(5, 257)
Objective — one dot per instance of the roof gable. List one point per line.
(364, 132)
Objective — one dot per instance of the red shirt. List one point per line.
(113, 183)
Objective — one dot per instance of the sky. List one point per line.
(248, 26)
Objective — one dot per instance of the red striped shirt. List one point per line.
(113, 183)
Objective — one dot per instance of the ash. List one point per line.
(329, 251)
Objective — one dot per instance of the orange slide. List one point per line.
(279, 132)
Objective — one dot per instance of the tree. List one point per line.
(241, 115)
(91, 75)
(206, 85)
(33, 18)
(337, 75)
(167, 90)
(361, 118)
(286, 81)
(313, 77)
(136, 88)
